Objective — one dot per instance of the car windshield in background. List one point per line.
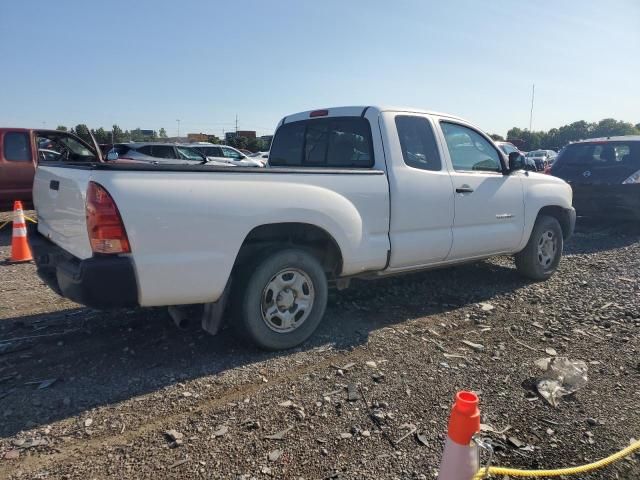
(601, 154)
(190, 153)
(326, 142)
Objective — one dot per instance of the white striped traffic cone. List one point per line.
(460, 460)
(20, 250)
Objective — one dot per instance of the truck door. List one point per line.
(17, 166)
(421, 192)
(489, 206)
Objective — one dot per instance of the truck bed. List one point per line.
(186, 223)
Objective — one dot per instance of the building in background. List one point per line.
(228, 136)
(198, 137)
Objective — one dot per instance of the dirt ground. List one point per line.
(89, 394)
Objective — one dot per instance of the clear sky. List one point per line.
(147, 63)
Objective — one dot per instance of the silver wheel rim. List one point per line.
(287, 300)
(547, 248)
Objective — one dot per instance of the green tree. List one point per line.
(162, 133)
(254, 144)
(83, 132)
(136, 135)
(61, 128)
(610, 127)
(213, 139)
(496, 137)
(102, 136)
(117, 133)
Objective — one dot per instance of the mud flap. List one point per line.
(212, 312)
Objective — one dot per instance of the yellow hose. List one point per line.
(561, 471)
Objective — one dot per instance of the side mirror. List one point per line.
(112, 155)
(516, 161)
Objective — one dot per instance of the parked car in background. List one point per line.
(508, 148)
(223, 155)
(153, 152)
(264, 156)
(351, 192)
(604, 174)
(20, 151)
(542, 158)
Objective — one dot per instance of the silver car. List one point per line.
(224, 155)
(158, 153)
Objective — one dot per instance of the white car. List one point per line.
(363, 192)
(223, 155)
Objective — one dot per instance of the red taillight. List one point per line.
(319, 113)
(106, 230)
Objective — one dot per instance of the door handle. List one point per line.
(464, 189)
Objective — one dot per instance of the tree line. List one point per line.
(556, 138)
(117, 135)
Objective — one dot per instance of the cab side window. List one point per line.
(17, 147)
(469, 150)
(418, 144)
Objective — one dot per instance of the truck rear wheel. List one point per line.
(540, 258)
(280, 300)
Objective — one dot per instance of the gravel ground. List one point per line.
(122, 379)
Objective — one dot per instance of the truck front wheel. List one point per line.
(280, 300)
(540, 258)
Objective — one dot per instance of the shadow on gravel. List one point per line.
(100, 358)
(597, 235)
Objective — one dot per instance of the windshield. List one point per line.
(189, 153)
(601, 154)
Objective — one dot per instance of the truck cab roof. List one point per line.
(356, 111)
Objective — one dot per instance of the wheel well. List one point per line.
(313, 238)
(559, 214)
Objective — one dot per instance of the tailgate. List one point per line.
(59, 198)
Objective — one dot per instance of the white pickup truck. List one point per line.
(349, 192)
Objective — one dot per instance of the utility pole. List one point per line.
(236, 125)
(533, 94)
(178, 120)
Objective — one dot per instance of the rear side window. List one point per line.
(601, 154)
(17, 147)
(162, 151)
(418, 143)
(327, 142)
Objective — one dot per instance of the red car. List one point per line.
(20, 151)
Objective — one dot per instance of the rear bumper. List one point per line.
(612, 201)
(97, 282)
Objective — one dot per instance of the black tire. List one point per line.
(251, 291)
(533, 264)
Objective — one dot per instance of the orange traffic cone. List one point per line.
(20, 250)
(460, 460)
